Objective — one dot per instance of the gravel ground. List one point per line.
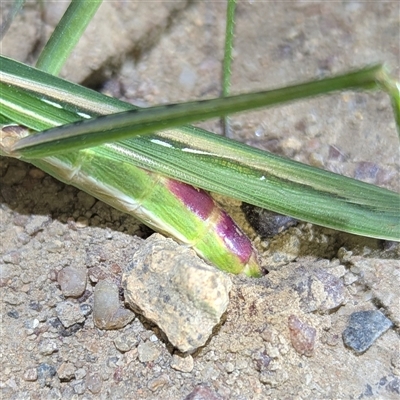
(281, 336)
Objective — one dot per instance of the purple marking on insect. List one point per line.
(196, 200)
(234, 238)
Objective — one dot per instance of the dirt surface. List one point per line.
(281, 336)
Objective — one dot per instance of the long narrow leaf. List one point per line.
(143, 121)
(224, 166)
(66, 35)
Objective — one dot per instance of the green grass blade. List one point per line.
(269, 181)
(66, 35)
(224, 166)
(46, 86)
(229, 34)
(143, 121)
(31, 111)
(227, 63)
(392, 88)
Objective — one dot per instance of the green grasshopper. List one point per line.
(119, 172)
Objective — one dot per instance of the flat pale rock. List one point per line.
(176, 290)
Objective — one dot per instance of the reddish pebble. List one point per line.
(203, 392)
(302, 336)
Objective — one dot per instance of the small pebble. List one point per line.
(36, 173)
(6, 273)
(158, 382)
(37, 224)
(80, 387)
(148, 351)
(86, 309)
(14, 175)
(273, 378)
(35, 305)
(54, 246)
(42, 316)
(363, 328)
(45, 373)
(66, 372)
(23, 238)
(183, 364)
(350, 278)
(125, 342)
(31, 324)
(107, 312)
(86, 200)
(31, 375)
(261, 360)
(80, 373)
(394, 386)
(47, 347)
(13, 314)
(229, 367)
(267, 223)
(302, 336)
(72, 281)
(82, 222)
(153, 338)
(118, 375)
(112, 362)
(14, 299)
(69, 313)
(268, 334)
(241, 363)
(57, 326)
(94, 383)
(319, 291)
(13, 258)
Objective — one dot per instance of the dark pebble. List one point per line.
(45, 373)
(394, 386)
(34, 305)
(368, 391)
(267, 223)
(363, 328)
(65, 332)
(55, 322)
(13, 314)
(261, 361)
(383, 381)
(71, 330)
(91, 358)
(86, 309)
